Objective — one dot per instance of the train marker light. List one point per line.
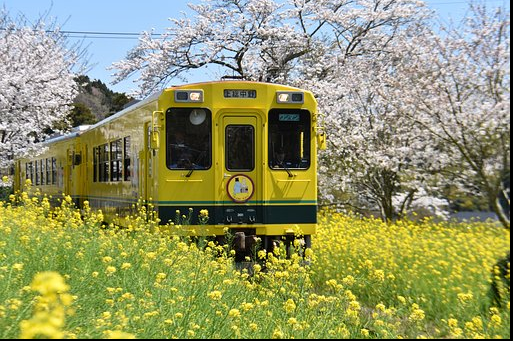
(198, 116)
(189, 96)
(284, 97)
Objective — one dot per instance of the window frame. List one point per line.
(116, 160)
(104, 163)
(253, 149)
(306, 117)
(170, 133)
(127, 160)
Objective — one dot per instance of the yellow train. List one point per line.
(244, 151)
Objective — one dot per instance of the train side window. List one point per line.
(36, 171)
(30, 171)
(48, 171)
(189, 139)
(104, 163)
(54, 171)
(95, 164)
(43, 172)
(116, 159)
(240, 148)
(127, 162)
(289, 139)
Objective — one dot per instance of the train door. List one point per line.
(75, 182)
(241, 162)
(68, 173)
(149, 162)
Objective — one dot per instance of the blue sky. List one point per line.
(135, 17)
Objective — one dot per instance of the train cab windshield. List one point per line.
(289, 139)
(189, 139)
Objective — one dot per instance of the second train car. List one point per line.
(244, 151)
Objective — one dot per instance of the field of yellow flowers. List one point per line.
(63, 275)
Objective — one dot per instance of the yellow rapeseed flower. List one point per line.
(478, 322)
(117, 334)
(17, 267)
(289, 306)
(378, 275)
(349, 281)
(417, 314)
(215, 295)
(234, 313)
(50, 309)
(278, 334)
(495, 320)
(49, 283)
(465, 298)
(292, 321)
(452, 323)
(160, 277)
(110, 270)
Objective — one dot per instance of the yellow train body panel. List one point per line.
(244, 151)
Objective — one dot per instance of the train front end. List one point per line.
(237, 159)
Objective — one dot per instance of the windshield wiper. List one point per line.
(287, 170)
(190, 173)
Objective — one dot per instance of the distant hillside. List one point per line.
(96, 101)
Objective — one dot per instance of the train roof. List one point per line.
(77, 131)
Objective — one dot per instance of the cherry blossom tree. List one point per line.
(263, 40)
(445, 99)
(36, 84)
(371, 63)
(327, 46)
(236, 35)
(377, 160)
(455, 87)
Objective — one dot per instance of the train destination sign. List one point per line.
(235, 93)
(289, 118)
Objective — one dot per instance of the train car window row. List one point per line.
(42, 172)
(112, 162)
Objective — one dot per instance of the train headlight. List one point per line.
(290, 97)
(189, 96)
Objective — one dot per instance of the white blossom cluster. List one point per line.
(36, 85)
